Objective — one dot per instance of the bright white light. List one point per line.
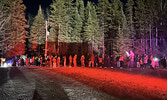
(9, 64)
(5, 65)
(127, 53)
(155, 59)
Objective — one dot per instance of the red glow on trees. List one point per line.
(17, 50)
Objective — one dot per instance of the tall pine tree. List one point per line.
(129, 16)
(122, 42)
(91, 30)
(16, 43)
(58, 20)
(77, 27)
(70, 12)
(37, 30)
(4, 24)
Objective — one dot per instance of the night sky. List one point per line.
(33, 5)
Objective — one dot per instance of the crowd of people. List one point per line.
(129, 61)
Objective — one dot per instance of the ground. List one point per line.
(80, 83)
(30, 83)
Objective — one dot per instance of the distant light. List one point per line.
(3, 59)
(127, 53)
(10, 61)
(5, 65)
(24, 57)
(155, 59)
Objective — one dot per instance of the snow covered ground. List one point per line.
(124, 85)
(80, 83)
(22, 83)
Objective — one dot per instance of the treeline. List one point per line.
(110, 23)
(118, 27)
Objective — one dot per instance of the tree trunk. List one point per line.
(156, 37)
(150, 37)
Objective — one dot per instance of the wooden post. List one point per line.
(46, 43)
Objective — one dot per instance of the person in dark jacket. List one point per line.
(163, 62)
(96, 60)
(14, 62)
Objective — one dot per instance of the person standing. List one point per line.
(118, 63)
(156, 62)
(82, 61)
(75, 60)
(54, 62)
(13, 62)
(70, 61)
(27, 61)
(50, 61)
(41, 61)
(121, 61)
(138, 61)
(64, 61)
(19, 61)
(1, 61)
(131, 57)
(47, 62)
(33, 60)
(36, 61)
(145, 60)
(141, 62)
(92, 59)
(58, 61)
(163, 62)
(111, 61)
(100, 62)
(152, 62)
(96, 60)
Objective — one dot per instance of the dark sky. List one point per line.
(33, 5)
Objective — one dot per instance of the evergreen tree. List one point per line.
(92, 34)
(122, 43)
(129, 15)
(146, 19)
(98, 36)
(81, 11)
(70, 12)
(116, 14)
(77, 27)
(4, 24)
(141, 21)
(58, 20)
(88, 28)
(103, 15)
(16, 43)
(37, 30)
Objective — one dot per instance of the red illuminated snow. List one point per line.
(120, 84)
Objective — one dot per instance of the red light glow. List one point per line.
(119, 84)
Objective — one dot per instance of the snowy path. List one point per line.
(39, 84)
(121, 84)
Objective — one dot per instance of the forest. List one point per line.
(107, 26)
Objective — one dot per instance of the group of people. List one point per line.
(141, 61)
(57, 61)
(131, 61)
